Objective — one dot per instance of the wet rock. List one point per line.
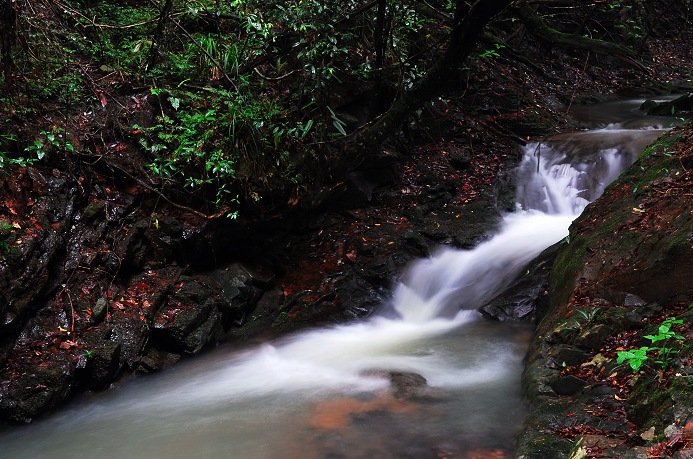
(606, 447)
(633, 301)
(155, 360)
(460, 161)
(209, 332)
(358, 298)
(685, 453)
(567, 385)
(175, 322)
(536, 381)
(190, 319)
(133, 249)
(593, 337)
(357, 189)
(259, 323)
(408, 385)
(241, 288)
(678, 106)
(36, 391)
(102, 364)
(571, 355)
(521, 299)
(99, 310)
(132, 333)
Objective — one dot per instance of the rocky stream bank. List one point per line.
(625, 270)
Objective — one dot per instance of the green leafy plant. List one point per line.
(41, 147)
(492, 52)
(634, 357)
(337, 122)
(637, 357)
(582, 317)
(5, 227)
(53, 139)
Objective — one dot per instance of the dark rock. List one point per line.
(567, 385)
(194, 315)
(520, 299)
(571, 355)
(460, 161)
(681, 105)
(36, 391)
(241, 288)
(175, 322)
(132, 334)
(633, 301)
(209, 332)
(155, 360)
(259, 324)
(685, 453)
(357, 189)
(407, 385)
(593, 337)
(99, 310)
(102, 365)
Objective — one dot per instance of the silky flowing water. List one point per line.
(326, 393)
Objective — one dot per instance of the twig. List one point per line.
(279, 78)
(163, 196)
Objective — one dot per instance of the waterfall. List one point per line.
(556, 180)
(247, 404)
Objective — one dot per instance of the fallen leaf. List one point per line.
(67, 344)
(648, 434)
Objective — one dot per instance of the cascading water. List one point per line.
(324, 393)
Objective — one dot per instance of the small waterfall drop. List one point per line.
(262, 403)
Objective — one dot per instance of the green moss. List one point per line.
(645, 401)
(654, 162)
(570, 258)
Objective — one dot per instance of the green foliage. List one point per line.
(47, 142)
(492, 52)
(665, 332)
(5, 229)
(117, 36)
(201, 147)
(582, 318)
(634, 357)
(6, 158)
(623, 16)
(637, 357)
(336, 122)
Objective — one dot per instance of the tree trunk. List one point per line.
(541, 30)
(158, 34)
(467, 30)
(8, 23)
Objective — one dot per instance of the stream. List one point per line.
(326, 393)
